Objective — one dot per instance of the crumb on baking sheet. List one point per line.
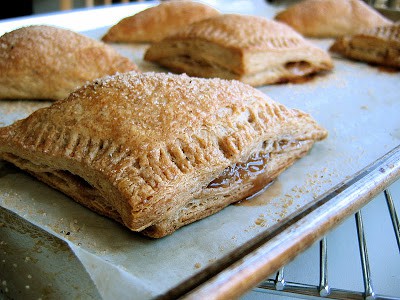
(261, 221)
(197, 265)
(282, 205)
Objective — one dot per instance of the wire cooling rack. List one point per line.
(322, 289)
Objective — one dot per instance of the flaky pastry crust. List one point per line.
(251, 49)
(331, 18)
(155, 151)
(46, 62)
(157, 22)
(380, 45)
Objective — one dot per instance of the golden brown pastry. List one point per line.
(157, 22)
(157, 151)
(251, 49)
(45, 62)
(380, 45)
(331, 18)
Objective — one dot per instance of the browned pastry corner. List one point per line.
(157, 22)
(331, 18)
(380, 45)
(157, 151)
(251, 49)
(45, 62)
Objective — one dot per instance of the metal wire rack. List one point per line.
(280, 286)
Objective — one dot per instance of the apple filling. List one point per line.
(241, 172)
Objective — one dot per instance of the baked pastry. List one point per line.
(380, 45)
(156, 151)
(251, 49)
(157, 22)
(46, 62)
(331, 18)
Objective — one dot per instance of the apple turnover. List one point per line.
(157, 22)
(157, 151)
(380, 45)
(46, 62)
(251, 49)
(331, 18)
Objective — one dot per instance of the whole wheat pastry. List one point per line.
(380, 45)
(331, 18)
(157, 151)
(157, 22)
(46, 62)
(251, 49)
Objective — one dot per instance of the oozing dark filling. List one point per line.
(241, 172)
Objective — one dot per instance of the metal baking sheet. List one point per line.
(356, 102)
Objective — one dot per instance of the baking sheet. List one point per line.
(357, 103)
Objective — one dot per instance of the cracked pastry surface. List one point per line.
(157, 22)
(46, 62)
(331, 18)
(158, 151)
(251, 49)
(380, 45)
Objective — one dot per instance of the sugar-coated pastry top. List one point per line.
(47, 62)
(157, 22)
(242, 32)
(331, 18)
